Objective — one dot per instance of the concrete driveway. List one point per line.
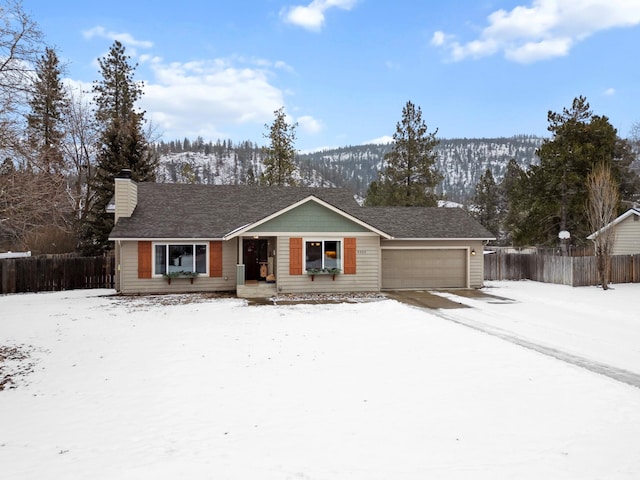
(427, 299)
(445, 309)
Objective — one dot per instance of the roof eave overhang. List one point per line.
(433, 239)
(164, 239)
(625, 215)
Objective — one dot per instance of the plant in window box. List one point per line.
(181, 273)
(323, 271)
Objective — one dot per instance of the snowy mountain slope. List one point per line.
(461, 161)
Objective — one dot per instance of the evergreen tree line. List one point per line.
(235, 167)
(220, 148)
(548, 203)
(461, 162)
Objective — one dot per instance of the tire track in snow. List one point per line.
(618, 374)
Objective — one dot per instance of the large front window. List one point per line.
(188, 258)
(322, 254)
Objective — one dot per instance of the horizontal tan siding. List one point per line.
(130, 284)
(628, 236)
(476, 265)
(366, 278)
(126, 193)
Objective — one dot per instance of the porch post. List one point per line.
(240, 274)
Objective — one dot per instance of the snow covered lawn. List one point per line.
(603, 326)
(209, 388)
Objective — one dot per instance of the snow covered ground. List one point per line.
(603, 326)
(211, 388)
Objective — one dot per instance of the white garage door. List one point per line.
(428, 268)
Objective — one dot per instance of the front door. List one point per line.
(254, 253)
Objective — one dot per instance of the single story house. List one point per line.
(259, 241)
(627, 233)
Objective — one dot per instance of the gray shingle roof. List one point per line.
(422, 222)
(171, 210)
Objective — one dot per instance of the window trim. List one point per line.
(340, 241)
(168, 244)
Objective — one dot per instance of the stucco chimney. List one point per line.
(126, 194)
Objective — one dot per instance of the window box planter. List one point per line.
(181, 274)
(312, 272)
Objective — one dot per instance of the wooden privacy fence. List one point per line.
(574, 271)
(55, 273)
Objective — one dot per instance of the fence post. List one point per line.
(9, 276)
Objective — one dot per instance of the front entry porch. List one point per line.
(256, 290)
(256, 267)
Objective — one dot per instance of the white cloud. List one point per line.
(309, 124)
(124, 38)
(380, 140)
(535, 51)
(214, 98)
(609, 92)
(78, 88)
(440, 38)
(207, 97)
(545, 29)
(312, 16)
(280, 65)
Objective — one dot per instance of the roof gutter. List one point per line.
(165, 239)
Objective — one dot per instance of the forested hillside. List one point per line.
(461, 161)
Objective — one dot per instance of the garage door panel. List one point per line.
(428, 268)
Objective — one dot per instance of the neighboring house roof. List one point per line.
(426, 223)
(171, 210)
(624, 216)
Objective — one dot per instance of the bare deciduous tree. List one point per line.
(602, 207)
(32, 205)
(20, 46)
(79, 150)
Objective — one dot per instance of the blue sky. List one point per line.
(343, 69)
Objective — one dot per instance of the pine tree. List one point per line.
(279, 164)
(251, 176)
(122, 143)
(409, 178)
(486, 203)
(49, 103)
(555, 190)
(43, 206)
(511, 201)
